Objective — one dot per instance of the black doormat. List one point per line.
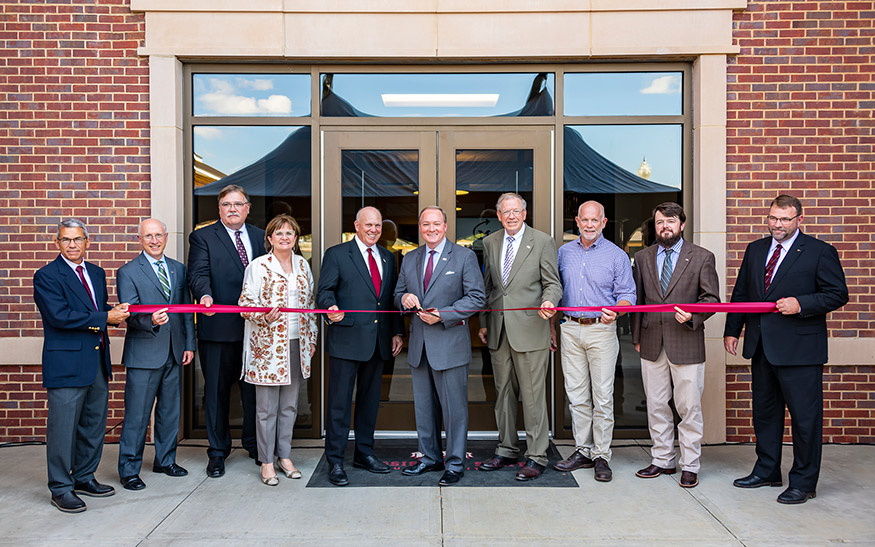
(401, 453)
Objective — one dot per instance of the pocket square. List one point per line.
(451, 272)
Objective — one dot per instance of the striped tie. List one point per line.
(770, 267)
(508, 260)
(667, 270)
(163, 279)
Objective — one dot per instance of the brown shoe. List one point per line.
(574, 461)
(496, 462)
(603, 471)
(654, 471)
(531, 470)
(689, 479)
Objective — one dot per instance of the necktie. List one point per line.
(80, 270)
(429, 269)
(375, 272)
(508, 260)
(163, 280)
(770, 267)
(241, 250)
(667, 270)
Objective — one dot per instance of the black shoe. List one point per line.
(753, 481)
(253, 454)
(134, 482)
(68, 502)
(216, 467)
(450, 477)
(171, 470)
(94, 489)
(337, 476)
(793, 496)
(421, 468)
(371, 463)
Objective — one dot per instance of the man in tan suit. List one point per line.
(521, 272)
(672, 346)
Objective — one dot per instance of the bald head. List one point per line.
(152, 235)
(590, 221)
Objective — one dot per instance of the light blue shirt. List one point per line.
(439, 249)
(600, 275)
(154, 263)
(660, 257)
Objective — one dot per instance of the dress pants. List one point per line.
(589, 362)
(441, 394)
(74, 432)
(143, 388)
(221, 364)
(800, 388)
(521, 375)
(276, 409)
(688, 381)
(345, 375)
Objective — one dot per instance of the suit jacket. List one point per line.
(147, 346)
(811, 272)
(345, 281)
(215, 269)
(72, 328)
(694, 280)
(533, 278)
(455, 288)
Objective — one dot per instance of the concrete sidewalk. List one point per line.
(237, 509)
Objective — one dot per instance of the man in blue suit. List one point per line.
(156, 345)
(71, 296)
(443, 283)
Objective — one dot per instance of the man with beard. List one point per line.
(672, 345)
(594, 272)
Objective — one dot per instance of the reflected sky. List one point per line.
(231, 148)
(623, 94)
(251, 94)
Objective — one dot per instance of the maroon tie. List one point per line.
(80, 270)
(375, 272)
(429, 269)
(241, 250)
(770, 267)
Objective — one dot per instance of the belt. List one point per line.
(584, 320)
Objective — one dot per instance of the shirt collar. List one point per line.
(153, 261)
(594, 243)
(73, 264)
(517, 236)
(362, 247)
(439, 248)
(232, 231)
(676, 248)
(787, 243)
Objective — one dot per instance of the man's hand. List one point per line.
(681, 316)
(207, 301)
(272, 315)
(160, 317)
(545, 312)
(553, 345)
(608, 316)
(788, 306)
(335, 317)
(397, 344)
(730, 344)
(410, 301)
(482, 334)
(117, 314)
(430, 316)
(638, 348)
(187, 357)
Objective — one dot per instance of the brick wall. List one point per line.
(800, 119)
(74, 141)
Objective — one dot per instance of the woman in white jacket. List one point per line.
(278, 346)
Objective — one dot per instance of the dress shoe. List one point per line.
(793, 496)
(134, 482)
(68, 502)
(689, 479)
(94, 489)
(573, 462)
(530, 471)
(603, 471)
(753, 481)
(496, 462)
(171, 470)
(216, 467)
(450, 477)
(421, 468)
(370, 463)
(337, 476)
(653, 471)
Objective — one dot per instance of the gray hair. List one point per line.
(433, 208)
(72, 223)
(140, 225)
(509, 195)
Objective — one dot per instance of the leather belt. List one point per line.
(584, 320)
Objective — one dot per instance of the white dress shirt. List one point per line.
(363, 249)
(244, 237)
(517, 240)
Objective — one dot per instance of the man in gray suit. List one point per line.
(443, 278)
(521, 272)
(155, 346)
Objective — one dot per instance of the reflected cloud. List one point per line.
(224, 98)
(208, 133)
(258, 84)
(664, 85)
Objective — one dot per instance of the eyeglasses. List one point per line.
(514, 212)
(152, 237)
(780, 220)
(235, 204)
(65, 241)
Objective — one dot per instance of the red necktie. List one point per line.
(770, 267)
(375, 272)
(241, 250)
(429, 269)
(80, 270)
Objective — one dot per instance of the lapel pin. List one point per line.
(528, 246)
(444, 259)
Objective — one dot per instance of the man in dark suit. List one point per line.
(217, 258)
(445, 279)
(672, 345)
(359, 275)
(804, 277)
(521, 272)
(71, 296)
(156, 346)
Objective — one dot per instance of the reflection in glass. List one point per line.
(251, 94)
(624, 94)
(442, 95)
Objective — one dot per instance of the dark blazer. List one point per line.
(146, 346)
(811, 272)
(72, 328)
(215, 269)
(345, 281)
(693, 280)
